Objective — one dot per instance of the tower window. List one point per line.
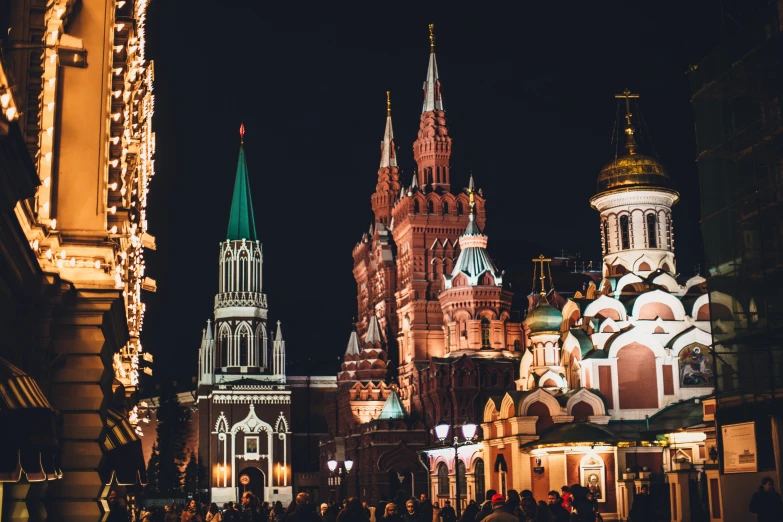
(652, 231)
(430, 207)
(485, 342)
(460, 209)
(605, 236)
(445, 207)
(625, 233)
(415, 207)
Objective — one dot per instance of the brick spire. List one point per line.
(388, 186)
(432, 149)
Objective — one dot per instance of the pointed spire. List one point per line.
(392, 408)
(279, 334)
(373, 331)
(388, 154)
(208, 335)
(630, 141)
(415, 182)
(353, 342)
(472, 229)
(241, 224)
(432, 97)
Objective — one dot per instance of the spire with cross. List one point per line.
(630, 141)
(541, 261)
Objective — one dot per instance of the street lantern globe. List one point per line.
(332, 465)
(469, 430)
(348, 465)
(442, 431)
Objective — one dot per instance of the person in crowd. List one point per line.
(353, 512)
(190, 511)
(410, 514)
(542, 512)
(594, 502)
(435, 513)
(366, 510)
(380, 507)
(172, 513)
(766, 503)
(499, 512)
(447, 513)
(229, 513)
(566, 496)
(513, 502)
(213, 514)
(470, 513)
(117, 510)
(528, 509)
(582, 509)
(486, 507)
(304, 510)
(325, 513)
(557, 513)
(424, 509)
(642, 508)
(390, 515)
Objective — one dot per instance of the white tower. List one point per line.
(635, 201)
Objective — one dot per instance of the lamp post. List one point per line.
(337, 471)
(469, 433)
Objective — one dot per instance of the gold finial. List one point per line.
(241, 133)
(472, 196)
(388, 103)
(541, 260)
(432, 38)
(630, 141)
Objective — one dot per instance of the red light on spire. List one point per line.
(242, 132)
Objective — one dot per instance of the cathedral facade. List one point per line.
(244, 402)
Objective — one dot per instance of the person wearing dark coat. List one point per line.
(642, 509)
(390, 515)
(424, 509)
(447, 513)
(766, 502)
(353, 512)
(470, 513)
(486, 508)
(557, 513)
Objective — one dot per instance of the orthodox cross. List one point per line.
(630, 142)
(541, 260)
(432, 38)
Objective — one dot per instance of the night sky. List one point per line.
(530, 104)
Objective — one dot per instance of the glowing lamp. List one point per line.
(469, 430)
(442, 431)
(332, 464)
(348, 465)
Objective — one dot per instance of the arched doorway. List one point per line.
(257, 481)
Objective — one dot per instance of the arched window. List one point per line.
(461, 471)
(415, 207)
(669, 233)
(625, 233)
(652, 231)
(485, 342)
(225, 345)
(443, 480)
(478, 476)
(430, 207)
(243, 344)
(506, 380)
(445, 207)
(460, 209)
(493, 380)
(605, 232)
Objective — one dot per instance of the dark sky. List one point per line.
(530, 104)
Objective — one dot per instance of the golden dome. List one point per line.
(632, 171)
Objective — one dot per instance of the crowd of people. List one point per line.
(574, 504)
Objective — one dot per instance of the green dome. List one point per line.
(544, 319)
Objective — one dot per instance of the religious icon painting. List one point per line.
(696, 366)
(594, 476)
(251, 447)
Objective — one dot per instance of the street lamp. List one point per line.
(469, 433)
(335, 468)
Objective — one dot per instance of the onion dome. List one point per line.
(632, 171)
(544, 319)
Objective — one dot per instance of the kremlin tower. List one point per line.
(243, 400)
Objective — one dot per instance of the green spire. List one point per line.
(392, 408)
(242, 224)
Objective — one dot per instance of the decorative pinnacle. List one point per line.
(541, 260)
(241, 133)
(472, 196)
(432, 38)
(388, 103)
(630, 141)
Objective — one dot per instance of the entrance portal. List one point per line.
(256, 485)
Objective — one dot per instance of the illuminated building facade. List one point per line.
(77, 123)
(244, 402)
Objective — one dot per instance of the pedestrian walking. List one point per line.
(766, 502)
(499, 513)
(447, 513)
(353, 512)
(557, 513)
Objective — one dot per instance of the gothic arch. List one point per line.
(543, 397)
(586, 396)
(281, 423)
(260, 343)
(221, 426)
(225, 344)
(243, 346)
(507, 407)
(664, 298)
(490, 412)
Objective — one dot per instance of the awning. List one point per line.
(28, 442)
(123, 458)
